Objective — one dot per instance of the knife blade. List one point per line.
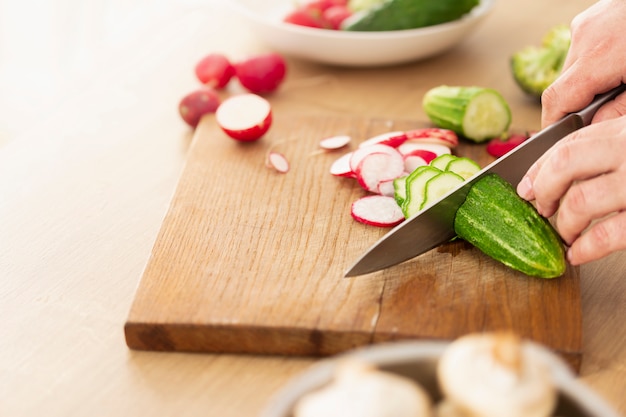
(435, 225)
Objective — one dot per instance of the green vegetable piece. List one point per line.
(438, 186)
(476, 113)
(399, 190)
(509, 229)
(534, 68)
(358, 5)
(442, 161)
(415, 189)
(407, 14)
(463, 166)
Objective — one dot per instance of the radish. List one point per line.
(261, 74)
(244, 117)
(410, 147)
(386, 187)
(278, 161)
(362, 152)
(335, 15)
(215, 70)
(498, 147)
(425, 154)
(377, 167)
(335, 142)
(377, 210)
(434, 135)
(411, 162)
(198, 103)
(341, 166)
(393, 139)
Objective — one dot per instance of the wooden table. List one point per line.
(91, 148)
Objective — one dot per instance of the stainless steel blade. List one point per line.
(435, 225)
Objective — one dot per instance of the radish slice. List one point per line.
(393, 139)
(386, 187)
(377, 167)
(377, 210)
(422, 153)
(244, 117)
(360, 153)
(335, 142)
(409, 147)
(434, 135)
(278, 161)
(341, 166)
(411, 162)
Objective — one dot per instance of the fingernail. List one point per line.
(525, 189)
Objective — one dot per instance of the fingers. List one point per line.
(611, 110)
(605, 237)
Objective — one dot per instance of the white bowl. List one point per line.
(346, 48)
(418, 361)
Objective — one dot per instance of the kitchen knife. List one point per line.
(435, 225)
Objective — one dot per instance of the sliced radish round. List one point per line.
(386, 187)
(377, 210)
(278, 161)
(422, 153)
(393, 139)
(341, 166)
(360, 153)
(411, 162)
(335, 142)
(434, 135)
(244, 117)
(377, 167)
(410, 147)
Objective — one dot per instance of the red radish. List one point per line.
(341, 166)
(278, 161)
(386, 187)
(335, 15)
(362, 152)
(262, 74)
(215, 70)
(434, 135)
(335, 142)
(377, 210)
(411, 162)
(377, 167)
(425, 154)
(302, 17)
(410, 147)
(244, 117)
(198, 103)
(498, 147)
(393, 139)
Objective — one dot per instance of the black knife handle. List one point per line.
(588, 112)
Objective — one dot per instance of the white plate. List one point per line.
(345, 48)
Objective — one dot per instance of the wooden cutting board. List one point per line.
(249, 260)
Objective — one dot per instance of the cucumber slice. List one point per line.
(399, 190)
(465, 167)
(415, 187)
(438, 186)
(476, 113)
(442, 161)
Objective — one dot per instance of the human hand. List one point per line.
(584, 177)
(594, 64)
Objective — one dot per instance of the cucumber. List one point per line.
(399, 190)
(415, 189)
(407, 14)
(463, 166)
(476, 113)
(438, 186)
(509, 229)
(442, 161)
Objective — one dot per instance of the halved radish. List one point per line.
(393, 139)
(377, 167)
(335, 142)
(341, 166)
(434, 135)
(244, 117)
(278, 161)
(362, 152)
(410, 147)
(377, 210)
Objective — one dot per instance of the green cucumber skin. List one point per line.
(446, 106)
(409, 14)
(509, 229)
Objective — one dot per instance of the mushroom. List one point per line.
(494, 375)
(362, 390)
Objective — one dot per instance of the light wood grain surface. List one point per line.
(91, 150)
